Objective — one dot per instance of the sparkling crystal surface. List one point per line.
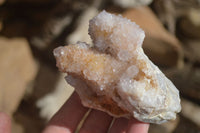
(115, 75)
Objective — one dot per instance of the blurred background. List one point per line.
(31, 87)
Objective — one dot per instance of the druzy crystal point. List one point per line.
(115, 76)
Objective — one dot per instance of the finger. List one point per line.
(96, 122)
(68, 117)
(119, 126)
(136, 126)
(5, 123)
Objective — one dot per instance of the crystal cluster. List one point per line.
(115, 75)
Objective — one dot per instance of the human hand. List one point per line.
(5, 123)
(68, 117)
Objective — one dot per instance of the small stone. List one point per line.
(132, 3)
(115, 75)
(18, 69)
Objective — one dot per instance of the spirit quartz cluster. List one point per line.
(115, 75)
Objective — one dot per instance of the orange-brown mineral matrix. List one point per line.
(115, 75)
